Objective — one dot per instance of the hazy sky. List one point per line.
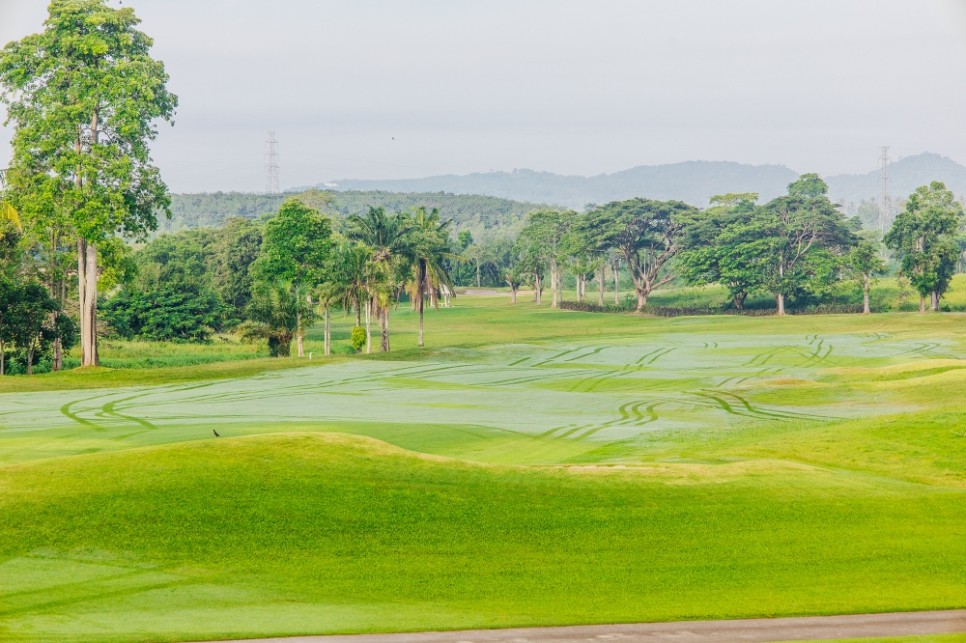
(577, 87)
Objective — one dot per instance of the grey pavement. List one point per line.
(808, 628)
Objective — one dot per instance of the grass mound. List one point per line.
(312, 533)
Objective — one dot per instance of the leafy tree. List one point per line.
(648, 234)
(530, 262)
(793, 241)
(866, 264)
(429, 249)
(181, 311)
(30, 308)
(923, 235)
(233, 251)
(7, 297)
(295, 250)
(709, 254)
(83, 96)
(545, 232)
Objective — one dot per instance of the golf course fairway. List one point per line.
(529, 467)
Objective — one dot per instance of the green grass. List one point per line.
(340, 534)
(528, 467)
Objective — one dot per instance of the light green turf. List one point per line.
(595, 468)
(297, 533)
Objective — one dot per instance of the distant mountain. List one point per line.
(905, 175)
(693, 182)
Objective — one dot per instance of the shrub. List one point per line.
(358, 338)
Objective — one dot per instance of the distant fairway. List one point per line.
(684, 468)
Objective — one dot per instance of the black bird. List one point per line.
(217, 435)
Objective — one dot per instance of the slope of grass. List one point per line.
(296, 533)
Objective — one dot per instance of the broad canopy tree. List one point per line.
(83, 96)
(647, 233)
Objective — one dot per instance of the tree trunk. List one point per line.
(780, 303)
(641, 299)
(3, 358)
(538, 286)
(922, 303)
(385, 328)
(513, 294)
(327, 332)
(30, 359)
(934, 301)
(369, 327)
(554, 284)
(865, 295)
(87, 287)
(738, 299)
(421, 282)
(478, 282)
(299, 334)
(600, 286)
(617, 278)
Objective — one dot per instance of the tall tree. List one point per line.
(429, 250)
(83, 96)
(923, 235)
(545, 232)
(794, 241)
(295, 250)
(709, 254)
(648, 234)
(865, 263)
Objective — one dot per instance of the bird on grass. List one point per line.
(217, 435)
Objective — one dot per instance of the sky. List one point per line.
(384, 89)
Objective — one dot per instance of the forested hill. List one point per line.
(693, 182)
(478, 214)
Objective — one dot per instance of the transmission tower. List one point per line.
(271, 164)
(885, 203)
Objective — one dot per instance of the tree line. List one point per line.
(796, 247)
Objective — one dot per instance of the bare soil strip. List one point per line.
(808, 628)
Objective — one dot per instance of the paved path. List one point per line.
(733, 631)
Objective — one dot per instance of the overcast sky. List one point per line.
(569, 86)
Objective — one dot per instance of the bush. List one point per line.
(358, 338)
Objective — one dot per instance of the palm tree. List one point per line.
(389, 238)
(8, 213)
(347, 283)
(274, 311)
(428, 251)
